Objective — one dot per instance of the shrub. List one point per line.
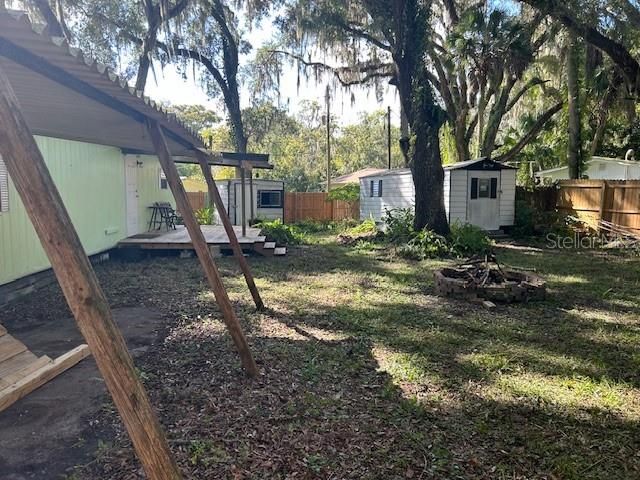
(347, 193)
(364, 231)
(366, 226)
(281, 233)
(399, 225)
(425, 244)
(205, 216)
(466, 239)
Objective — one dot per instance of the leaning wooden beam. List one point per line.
(201, 247)
(214, 194)
(80, 286)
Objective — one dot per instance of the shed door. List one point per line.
(131, 185)
(483, 194)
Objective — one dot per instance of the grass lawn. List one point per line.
(366, 374)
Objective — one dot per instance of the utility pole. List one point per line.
(328, 100)
(389, 136)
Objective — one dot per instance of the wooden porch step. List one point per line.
(280, 251)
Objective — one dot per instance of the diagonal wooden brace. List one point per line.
(214, 194)
(201, 247)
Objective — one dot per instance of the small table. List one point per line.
(161, 213)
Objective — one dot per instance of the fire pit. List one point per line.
(484, 278)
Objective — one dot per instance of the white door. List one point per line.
(483, 196)
(131, 185)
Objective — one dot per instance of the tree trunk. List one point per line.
(496, 114)
(428, 174)
(424, 116)
(144, 61)
(573, 92)
(460, 135)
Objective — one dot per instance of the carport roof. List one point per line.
(65, 94)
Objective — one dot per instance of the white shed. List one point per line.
(267, 202)
(481, 192)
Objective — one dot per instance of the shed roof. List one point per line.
(64, 93)
(354, 177)
(475, 164)
(482, 163)
(387, 173)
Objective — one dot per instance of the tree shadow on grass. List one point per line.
(324, 409)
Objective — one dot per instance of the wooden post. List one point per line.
(603, 199)
(251, 195)
(80, 287)
(214, 193)
(201, 247)
(243, 203)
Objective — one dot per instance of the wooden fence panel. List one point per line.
(198, 200)
(615, 201)
(300, 206)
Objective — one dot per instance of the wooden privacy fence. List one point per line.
(198, 200)
(615, 201)
(299, 206)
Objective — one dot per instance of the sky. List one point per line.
(170, 86)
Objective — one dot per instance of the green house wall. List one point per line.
(91, 181)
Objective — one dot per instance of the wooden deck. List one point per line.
(214, 235)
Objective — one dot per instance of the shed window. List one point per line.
(4, 187)
(163, 181)
(376, 188)
(484, 188)
(269, 199)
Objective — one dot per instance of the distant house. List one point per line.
(597, 168)
(480, 192)
(354, 177)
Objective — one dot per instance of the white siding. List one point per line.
(447, 190)
(507, 197)
(458, 196)
(397, 192)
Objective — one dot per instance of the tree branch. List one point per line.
(525, 88)
(616, 51)
(531, 134)
(370, 70)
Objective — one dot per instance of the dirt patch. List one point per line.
(54, 428)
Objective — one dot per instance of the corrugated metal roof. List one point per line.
(64, 93)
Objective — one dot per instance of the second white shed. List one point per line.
(481, 192)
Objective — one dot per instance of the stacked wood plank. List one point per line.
(21, 371)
